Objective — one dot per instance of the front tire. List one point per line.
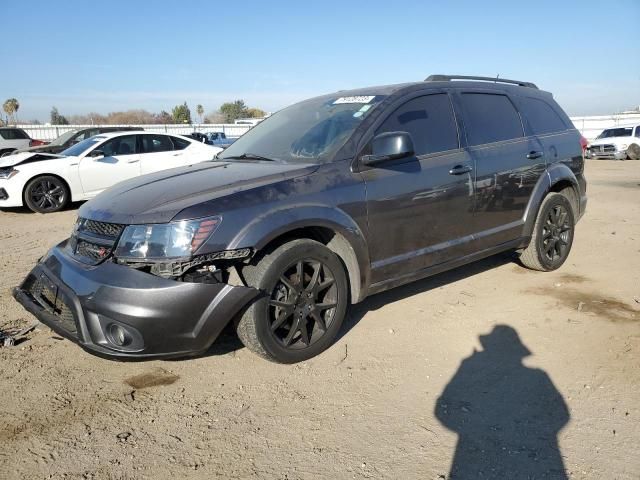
(304, 302)
(552, 236)
(633, 152)
(46, 194)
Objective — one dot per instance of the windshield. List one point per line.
(64, 138)
(309, 131)
(81, 147)
(616, 132)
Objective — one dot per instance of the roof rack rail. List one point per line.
(446, 78)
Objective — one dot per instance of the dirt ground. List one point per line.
(491, 370)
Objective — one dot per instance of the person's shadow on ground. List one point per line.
(507, 416)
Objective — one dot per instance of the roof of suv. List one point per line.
(446, 81)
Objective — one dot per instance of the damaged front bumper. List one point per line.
(116, 311)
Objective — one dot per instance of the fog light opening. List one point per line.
(118, 335)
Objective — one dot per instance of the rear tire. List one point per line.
(304, 302)
(46, 194)
(633, 152)
(552, 234)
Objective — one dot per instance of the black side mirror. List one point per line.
(95, 153)
(389, 146)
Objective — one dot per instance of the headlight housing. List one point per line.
(165, 240)
(7, 172)
(623, 146)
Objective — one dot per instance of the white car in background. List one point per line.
(46, 182)
(619, 143)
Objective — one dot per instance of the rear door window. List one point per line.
(542, 118)
(490, 118)
(429, 120)
(156, 143)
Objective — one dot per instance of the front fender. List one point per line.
(558, 172)
(350, 243)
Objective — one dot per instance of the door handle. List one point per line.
(460, 169)
(533, 155)
(135, 160)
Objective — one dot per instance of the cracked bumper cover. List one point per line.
(164, 318)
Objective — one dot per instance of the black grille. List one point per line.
(51, 302)
(103, 229)
(93, 241)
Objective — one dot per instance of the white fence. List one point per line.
(49, 132)
(590, 127)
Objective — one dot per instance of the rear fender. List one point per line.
(555, 173)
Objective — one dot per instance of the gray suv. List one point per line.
(324, 203)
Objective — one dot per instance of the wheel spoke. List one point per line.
(282, 316)
(549, 245)
(319, 320)
(289, 338)
(278, 303)
(325, 306)
(304, 333)
(314, 278)
(287, 283)
(324, 285)
(300, 273)
(55, 190)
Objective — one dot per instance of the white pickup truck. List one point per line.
(619, 143)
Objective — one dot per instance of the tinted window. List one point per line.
(490, 118)
(13, 134)
(180, 143)
(616, 132)
(430, 122)
(156, 143)
(119, 146)
(542, 118)
(638, 131)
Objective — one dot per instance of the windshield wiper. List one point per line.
(250, 156)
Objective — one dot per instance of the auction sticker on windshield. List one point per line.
(356, 99)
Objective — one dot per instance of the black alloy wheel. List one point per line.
(556, 233)
(302, 304)
(552, 235)
(46, 194)
(305, 294)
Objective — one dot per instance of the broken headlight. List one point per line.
(165, 240)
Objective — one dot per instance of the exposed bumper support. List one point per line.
(161, 318)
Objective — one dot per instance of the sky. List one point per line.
(121, 55)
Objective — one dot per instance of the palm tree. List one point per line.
(11, 107)
(200, 111)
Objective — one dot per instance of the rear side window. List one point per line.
(180, 143)
(490, 118)
(542, 118)
(13, 134)
(156, 143)
(430, 122)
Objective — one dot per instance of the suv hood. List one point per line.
(26, 157)
(160, 196)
